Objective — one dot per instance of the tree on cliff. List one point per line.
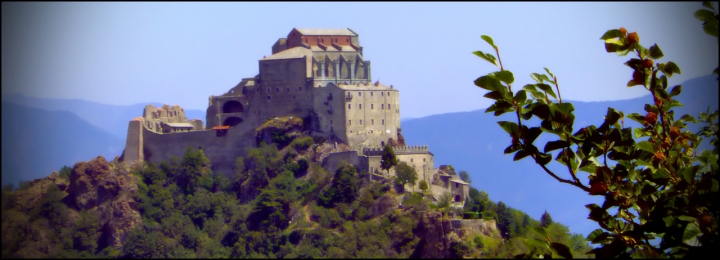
(545, 220)
(388, 159)
(653, 176)
(405, 174)
(344, 187)
(465, 176)
(423, 185)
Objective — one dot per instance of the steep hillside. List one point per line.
(279, 203)
(474, 142)
(111, 118)
(35, 142)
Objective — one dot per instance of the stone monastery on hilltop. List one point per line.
(316, 72)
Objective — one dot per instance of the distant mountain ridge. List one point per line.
(112, 118)
(35, 142)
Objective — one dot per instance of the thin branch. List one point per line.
(557, 87)
(579, 185)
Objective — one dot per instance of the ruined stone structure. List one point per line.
(315, 73)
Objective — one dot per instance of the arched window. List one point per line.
(360, 121)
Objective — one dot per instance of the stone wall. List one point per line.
(474, 226)
(221, 150)
(134, 141)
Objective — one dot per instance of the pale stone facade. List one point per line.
(315, 73)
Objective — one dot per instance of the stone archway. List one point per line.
(458, 198)
(232, 107)
(232, 121)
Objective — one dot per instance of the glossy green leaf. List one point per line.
(704, 15)
(655, 52)
(691, 231)
(512, 148)
(610, 34)
(549, 73)
(509, 127)
(520, 155)
(543, 159)
(506, 76)
(594, 234)
(561, 250)
(711, 29)
(490, 83)
(496, 95)
(520, 97)
(489, 40)
(554, 145)
(547, 88)
(708, 5)
(676, 90)
(487, 57)
(612, 47)
(646, 146)
(671, 68)
(532, 134)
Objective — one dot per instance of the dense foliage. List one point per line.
(655, 183)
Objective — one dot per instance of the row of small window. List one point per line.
(371, 93)
(286, 89)
(382, 106)
(372, 121)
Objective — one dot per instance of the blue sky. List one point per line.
(126, 53)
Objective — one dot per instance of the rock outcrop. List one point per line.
(439, 233)
(95, 186)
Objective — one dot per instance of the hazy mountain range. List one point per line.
(41, 135)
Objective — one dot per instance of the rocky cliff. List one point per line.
(32, 215)
(439, 233)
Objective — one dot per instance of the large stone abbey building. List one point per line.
(316, 72)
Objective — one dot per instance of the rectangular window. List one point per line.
(382, 121)
(371, 94)
(348, 106)
(287, 89)
(371, 106)
(382, 94)
(360, 121)
(268, 90)
(382, 106)
(300, 89)
(277, 89)
(349, 122)
(388, 106)
(457, 185)
(359, 94)
(372, 121)
(359, 106)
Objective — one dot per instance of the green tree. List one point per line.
(465, 176)
(505, 221)
(423, 186)
(545, 220)
(388, 159)
(343, 189)
(653, 175)
(405, 174)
